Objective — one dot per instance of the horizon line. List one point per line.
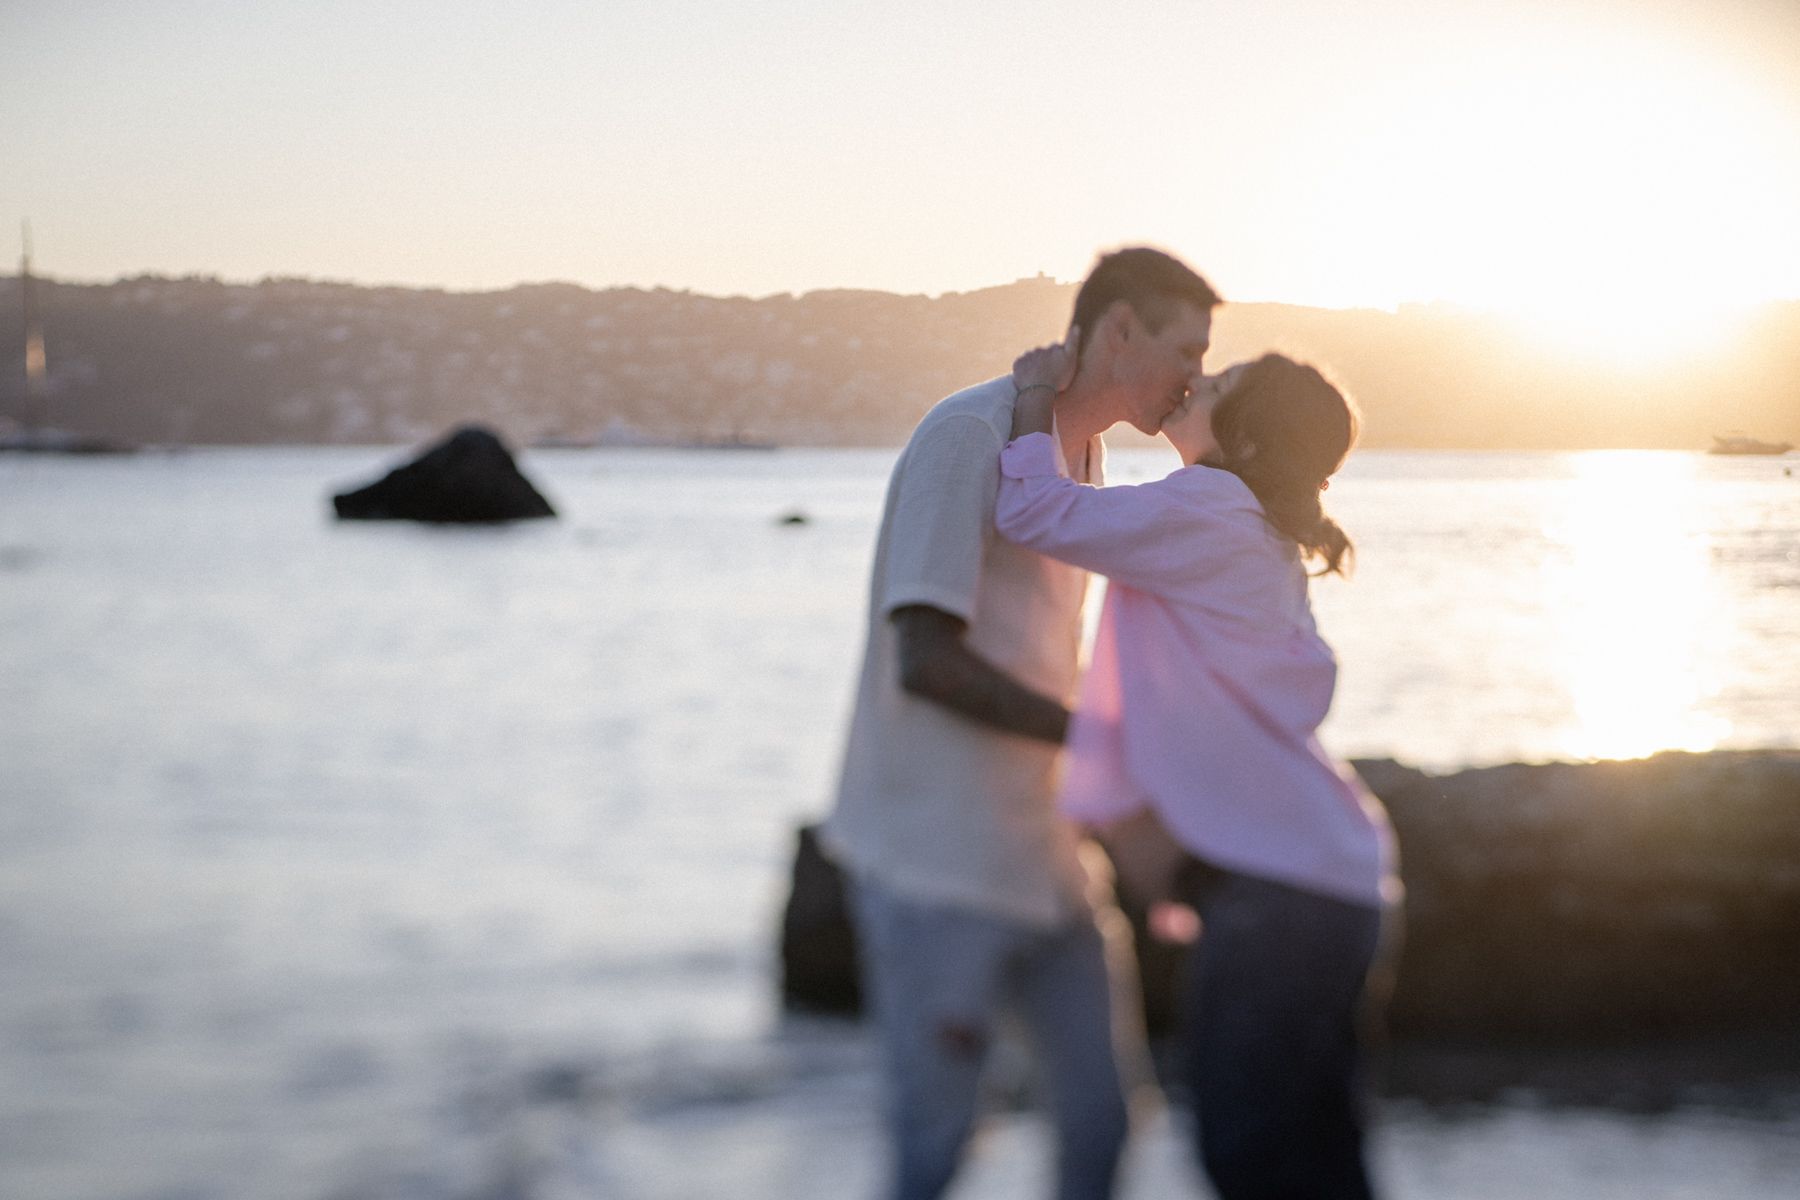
(1391, 307)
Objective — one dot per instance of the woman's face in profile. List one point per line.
(1189, 427)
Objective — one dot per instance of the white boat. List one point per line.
(1743, 443)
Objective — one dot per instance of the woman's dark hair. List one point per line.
(1283, 429)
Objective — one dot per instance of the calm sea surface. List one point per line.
(376, 860)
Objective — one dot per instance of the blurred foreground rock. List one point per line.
(1647, 897)
(1639, 899)
(467, 478)
(819, 968)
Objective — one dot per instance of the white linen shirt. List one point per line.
(931, 804)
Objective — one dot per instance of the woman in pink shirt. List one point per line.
(1197, 721)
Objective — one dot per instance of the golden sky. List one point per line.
(1616, 169)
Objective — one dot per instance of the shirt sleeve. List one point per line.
(1157, 537)
(942, 517)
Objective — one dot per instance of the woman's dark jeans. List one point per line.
(1271, 1018)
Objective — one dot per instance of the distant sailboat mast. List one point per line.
(33, 436)
(34, 337)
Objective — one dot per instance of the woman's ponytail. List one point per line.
(1284, 429)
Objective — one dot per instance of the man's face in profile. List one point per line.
(1157, 366)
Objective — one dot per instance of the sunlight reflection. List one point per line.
(1631, 576)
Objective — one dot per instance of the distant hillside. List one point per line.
(196, 360)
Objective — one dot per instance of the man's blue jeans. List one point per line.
(937, 977)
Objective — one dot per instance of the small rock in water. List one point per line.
(559, 1083)
(794, 517)
(468, 478)
(19, 558)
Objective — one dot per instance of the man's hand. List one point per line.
(937, 665)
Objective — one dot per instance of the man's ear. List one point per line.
(1118, 322)
(1111, 337)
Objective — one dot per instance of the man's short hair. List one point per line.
(1153, 283)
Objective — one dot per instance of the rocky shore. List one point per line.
(1606, 908)
(1653, 897)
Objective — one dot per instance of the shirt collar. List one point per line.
(1092, 470)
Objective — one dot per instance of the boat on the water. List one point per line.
(1743, 443)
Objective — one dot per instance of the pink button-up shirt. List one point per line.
(1208, 679)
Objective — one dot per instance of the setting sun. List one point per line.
(1621, 198)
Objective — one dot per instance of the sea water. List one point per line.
(376, 860)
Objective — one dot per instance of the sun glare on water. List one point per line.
(1640, 629)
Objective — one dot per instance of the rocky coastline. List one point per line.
(1603, 928)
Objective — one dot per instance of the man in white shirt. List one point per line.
(970, 898)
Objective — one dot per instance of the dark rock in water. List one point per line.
(1554, 903)
(468, 478)
(558, 1083)
(795, 517)
(818, 942)
(19, 558)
